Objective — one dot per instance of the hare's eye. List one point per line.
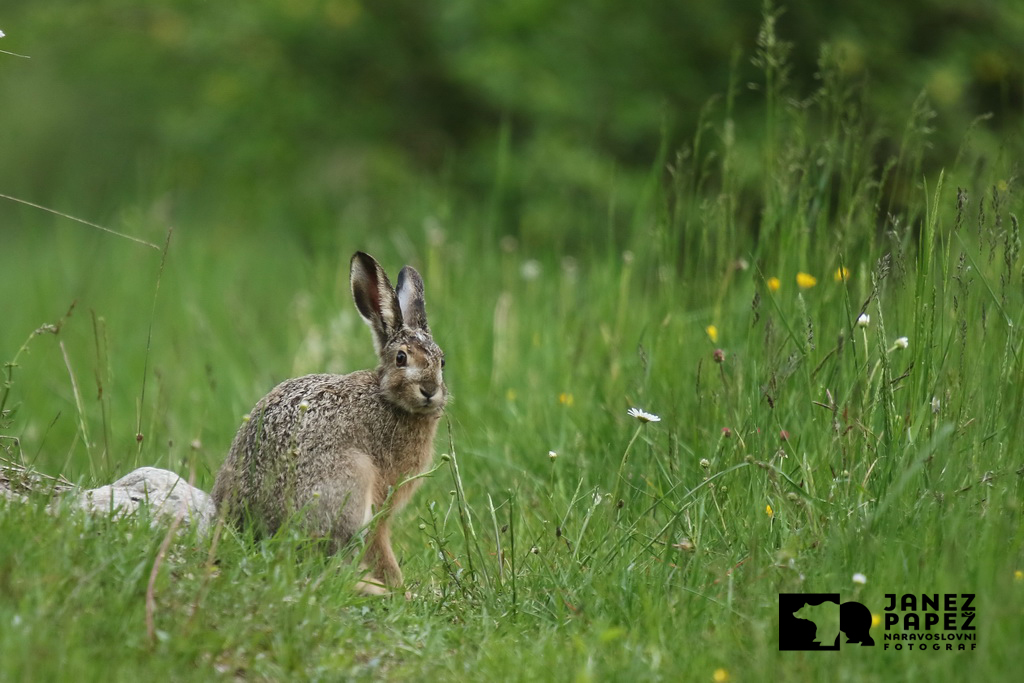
(401, 359)
(442, 361)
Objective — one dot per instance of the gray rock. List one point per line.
(7, 494)
(165, 492)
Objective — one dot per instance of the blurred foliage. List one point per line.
(313, 114)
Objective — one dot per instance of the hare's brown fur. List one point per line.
(333, 449)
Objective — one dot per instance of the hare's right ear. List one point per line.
(410, 299)
(375, 298)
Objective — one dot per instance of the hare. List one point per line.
(333, 449)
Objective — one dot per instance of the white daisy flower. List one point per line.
(864, 320)
(860, 578)
(530, 270)
(901, 343)
(643, 416)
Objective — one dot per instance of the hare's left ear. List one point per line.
(375, 298)
(410, 299)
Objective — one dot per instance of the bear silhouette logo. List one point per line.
(817, 621)
(855, 622)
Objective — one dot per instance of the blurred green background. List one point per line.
(313, 116)
(470, 139)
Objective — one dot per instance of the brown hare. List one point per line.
(333, 448)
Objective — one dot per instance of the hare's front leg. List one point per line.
(381, 558)
(379, 563)
(349, 510)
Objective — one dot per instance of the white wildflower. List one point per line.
(901, 343)
(864, 320)
(552, 455)
(860, 578)
(643, 416)
(530, 270)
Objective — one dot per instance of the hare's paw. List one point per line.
(368, 585)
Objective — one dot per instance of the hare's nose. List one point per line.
(428, 390)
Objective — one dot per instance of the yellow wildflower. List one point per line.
(565, 399)
(875, 620)
(720, 675)
(805, 281)
(768, 511)
(842, 274)
(712, 332)
(1018, 575)
(773, 284)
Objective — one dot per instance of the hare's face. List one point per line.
(412, 374)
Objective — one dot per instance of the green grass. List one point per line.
(901, 464)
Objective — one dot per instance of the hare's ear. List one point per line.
(375, 298)
(410, 299)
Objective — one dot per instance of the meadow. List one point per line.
(823, 316)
